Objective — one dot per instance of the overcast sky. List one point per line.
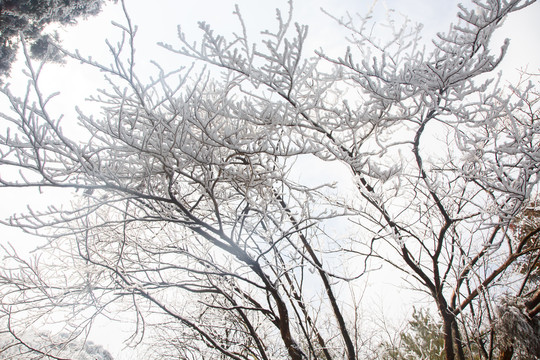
(157, 22)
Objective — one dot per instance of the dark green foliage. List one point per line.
(41, 49)
(7, 56)
(424, 339)
(29, 18)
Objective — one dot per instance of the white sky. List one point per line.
(157, 21)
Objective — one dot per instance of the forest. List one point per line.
(250, 199)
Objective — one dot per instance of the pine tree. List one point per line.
(28, 18)
(423, 340)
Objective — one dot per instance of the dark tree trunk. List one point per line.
(507, 353)
(448, 337)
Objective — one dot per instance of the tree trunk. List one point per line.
(507, 353)
(457, 339)
(448, 337)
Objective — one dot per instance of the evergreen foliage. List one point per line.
(423, 339)
(15, 348)
(28, 18)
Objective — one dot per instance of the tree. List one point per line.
(526, 229)
(42, 346)
(423, 339)
(519, 328)
(188, 218)
(518, 321)
(28, 18)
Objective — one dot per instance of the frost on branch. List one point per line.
(188, 216)
(517, 329)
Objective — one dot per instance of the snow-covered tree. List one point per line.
(188, 219)
(28, 18)
(518, 322)
(423, 339)
(34, 345)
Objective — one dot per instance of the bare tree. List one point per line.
(187, 217)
